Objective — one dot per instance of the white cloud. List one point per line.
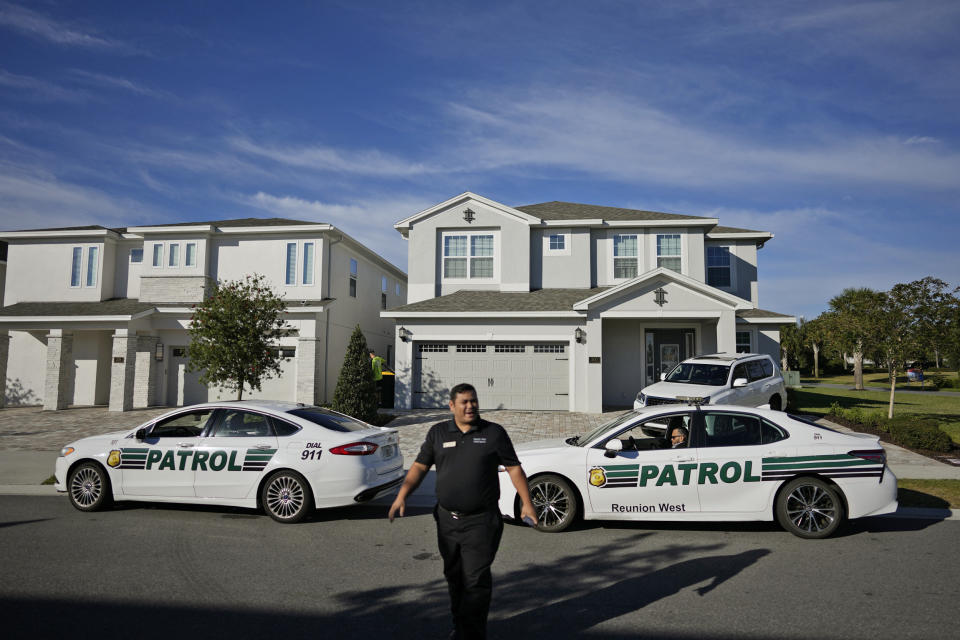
(37, 89)
(45, 28)
(104, 80)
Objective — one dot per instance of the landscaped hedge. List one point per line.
(907, 431)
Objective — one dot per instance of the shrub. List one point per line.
(919, 434)
(356, 392)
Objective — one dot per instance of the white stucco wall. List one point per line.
(92, 352)
(26, 368)
(39, 271)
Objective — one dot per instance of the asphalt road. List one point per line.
(150, 571)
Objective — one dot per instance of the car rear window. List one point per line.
(329, 419)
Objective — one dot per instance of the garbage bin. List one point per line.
(386, 390)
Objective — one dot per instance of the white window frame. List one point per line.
(707, 267)
(397, 289)
(384, 284)
(352, 285)
(613, 258)
(736, 340)
(173, 255)
(295, 275)
(549, 234)
(656, 249)
(140, 261)
(313, 263)
(290, 270)
(492, 279)
(157, 258)
(92, 276)
(76, 268)
(186, 254)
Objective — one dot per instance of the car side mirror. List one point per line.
(663, 376)
(739, 382)
(613, 447)
(141, 434)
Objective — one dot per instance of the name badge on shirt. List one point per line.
(479, 441)
(451, 443)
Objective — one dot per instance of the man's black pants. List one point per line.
(468, 545)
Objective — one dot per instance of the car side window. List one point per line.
(740, 371)
(772, 433)
(183, 425)
(731, 430)
(242, 424)
(283, 428)
(755, 368)
(767, 368)
(653, 434)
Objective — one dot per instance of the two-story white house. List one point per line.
(96, 316)
(569, 306)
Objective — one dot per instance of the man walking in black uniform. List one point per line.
(467, 451)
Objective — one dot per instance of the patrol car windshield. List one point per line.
(329, 419)
(711, 375)
(582, 440)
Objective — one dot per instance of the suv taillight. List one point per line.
(878, 456)
(355, 449)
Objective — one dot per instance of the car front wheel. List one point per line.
(776, 403)
(286, 497)
(89, 487)
(555, 502)
(809, 508)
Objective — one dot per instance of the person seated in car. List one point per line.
(678, 437)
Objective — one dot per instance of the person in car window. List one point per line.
(678, 437)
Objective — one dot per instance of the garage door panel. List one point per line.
(509, 376)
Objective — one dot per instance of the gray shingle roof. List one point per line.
(760, 313)
(113, 307)
(473, 301)
(719, 229)
(235, 222)
(573, 211)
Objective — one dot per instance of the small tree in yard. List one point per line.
(356, 392)
(232, 332)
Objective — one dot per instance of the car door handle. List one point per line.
(685, 458)
(261, 447)
(185, 444)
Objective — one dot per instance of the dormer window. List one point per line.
(668, 251)
(468, 256)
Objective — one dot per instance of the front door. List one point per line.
(665, 348)
(163, 464)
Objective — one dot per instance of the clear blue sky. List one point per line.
(832, 125)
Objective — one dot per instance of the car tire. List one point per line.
(286, 497)
(88, 487)
(776, 403)
(809, 508)
(555, 502)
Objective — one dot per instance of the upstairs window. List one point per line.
(136, 256)
(93, 258)
(397, 288)
(558, 242)
(75, 265)
(291, 266)
(383, 284)
(353, 278)
(307, 276)
(174, 260)
(624, 256)
(668, 251)
(383, 301)
(191, 255)
(718, 266)
(158, 255)
(743, 342)
(469, 255)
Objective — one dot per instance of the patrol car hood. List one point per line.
(674, 389)
(103, 437)
(536, 445)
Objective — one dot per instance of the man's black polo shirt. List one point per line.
(467, 463)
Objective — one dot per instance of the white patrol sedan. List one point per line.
(284, 457)
(736, 463)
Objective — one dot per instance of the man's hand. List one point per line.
(519, 479)
(527, 511)
(398, 506)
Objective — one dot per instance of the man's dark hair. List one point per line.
(463, 387)
(682, 430)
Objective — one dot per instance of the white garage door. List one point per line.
(506, 375)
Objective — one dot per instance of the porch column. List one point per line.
(727, 332)
(145, 374)
(594, 349)
(309, 377)
(122, 370)
(56, 388)
(4, 354)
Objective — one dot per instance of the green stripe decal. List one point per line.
(836, 456)
(622, 474)
(621, 467)
(818, 465)
(137, 450)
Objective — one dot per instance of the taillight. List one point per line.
(355, 449)
(878, 456)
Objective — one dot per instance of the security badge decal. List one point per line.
(597, 477)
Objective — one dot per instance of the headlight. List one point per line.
(642, 399)
(66, 451)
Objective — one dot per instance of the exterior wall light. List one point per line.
(404, 334)
(158, 353)
(580, 336)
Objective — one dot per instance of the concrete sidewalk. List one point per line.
(27, 457)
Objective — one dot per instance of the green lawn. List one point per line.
(880, 379)
(938, 494)
(945, 408)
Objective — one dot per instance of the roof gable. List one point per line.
(403, 226)
(643, 281)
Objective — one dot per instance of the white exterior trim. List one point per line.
(660, 315)
(768, 320)
(403, 226)
(679, 278)
(480, 314)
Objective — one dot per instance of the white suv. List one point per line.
(747, 379)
